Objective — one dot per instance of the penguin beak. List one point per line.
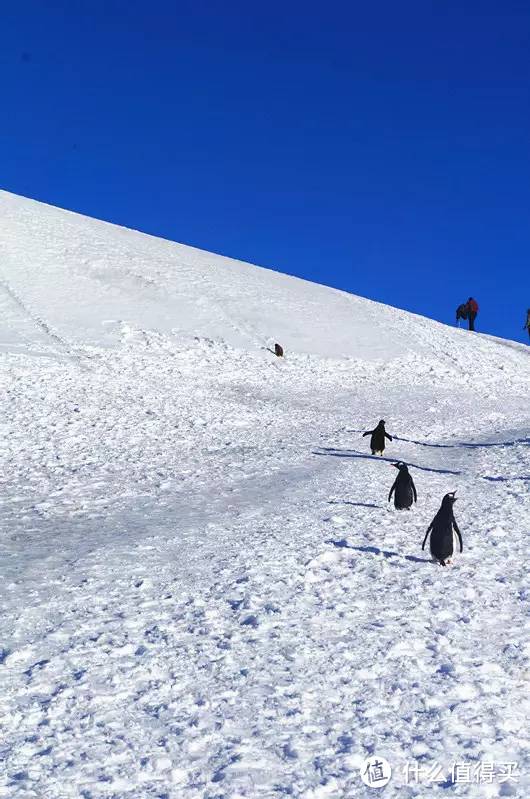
(395, 465)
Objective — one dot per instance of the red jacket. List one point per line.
(473, 306)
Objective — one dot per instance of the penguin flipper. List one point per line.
(426, 536)
(392, 490)
(414, 490)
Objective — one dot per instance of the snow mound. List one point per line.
(67, 281)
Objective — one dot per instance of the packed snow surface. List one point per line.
(204, 591)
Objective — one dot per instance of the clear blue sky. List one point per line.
(382, 147)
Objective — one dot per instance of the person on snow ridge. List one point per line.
(472, 311)
(527, 324)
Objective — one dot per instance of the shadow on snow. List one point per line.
(343, 544)
(352, 453)
(458, 444)
(506, 479)
(355, 504)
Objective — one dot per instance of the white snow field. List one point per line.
(204, 591)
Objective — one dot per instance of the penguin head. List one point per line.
(381, 423)
(401, 466)
(449, 500)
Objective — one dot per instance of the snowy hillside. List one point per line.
(204, 590)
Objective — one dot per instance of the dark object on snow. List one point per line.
(403, 489)
(278, 350)
(461, 313)
(441, 530)
(377, 442)
(472, 311)
(527, 324)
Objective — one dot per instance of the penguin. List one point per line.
(377, 442)
(403, 489)
(441, 530)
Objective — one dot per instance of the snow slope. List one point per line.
(204, 591)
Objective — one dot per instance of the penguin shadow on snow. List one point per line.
(343, 544)
(506, 479)
(458, 444)
(411, 441)
(488, 444)
(354, 504)
(353, 453)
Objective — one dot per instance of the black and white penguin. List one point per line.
(441, 530)
(403, 489)
(377, 442)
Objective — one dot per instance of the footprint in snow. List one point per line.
(338, 521)
(250, 621)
